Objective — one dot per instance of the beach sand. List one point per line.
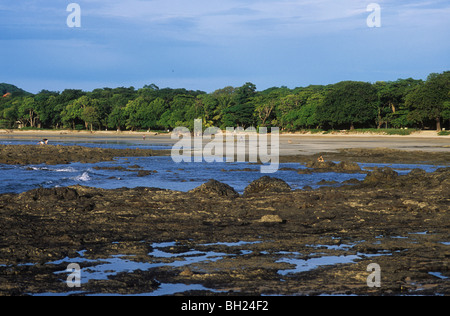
(290, 144)
(421, 147)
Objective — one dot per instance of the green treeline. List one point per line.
(345, 105)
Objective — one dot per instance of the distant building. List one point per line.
(7, 95)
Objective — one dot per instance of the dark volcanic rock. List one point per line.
(381, 175)
(66, 194)
(143, 173)
(214, 187)
(348, 166)
(116, 168)
(54, 155)
(267, 184)
(329, 166)
(321, 165)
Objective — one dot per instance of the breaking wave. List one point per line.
(82, 178)
(67, 169)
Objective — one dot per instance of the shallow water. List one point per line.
(166, 174)
(160, 256)
(102, 269)
(303, 265)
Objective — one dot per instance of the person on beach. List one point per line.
(43, 142)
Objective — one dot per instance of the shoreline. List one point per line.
(55, 155)
(14, 132)
(423, 146)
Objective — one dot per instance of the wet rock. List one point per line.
(267, 184)
(143, 173)
(186, 273)
(276, 219)
(349, 166)
(418, 177)
(321, 165)
(134, 167)
(125, 283)
(115, 168)
(329, 166)
(326, 182)
(381, 175)
(351, 181)
(53, 155)
(214, 187)
(417, 173)
(66, 194)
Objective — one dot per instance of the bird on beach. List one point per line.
(43, 142)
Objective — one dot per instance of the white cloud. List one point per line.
(241, 18)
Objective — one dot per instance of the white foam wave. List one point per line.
(37, 168)
(68, 169)
(83, 178)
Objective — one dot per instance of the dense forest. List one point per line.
(405, 103)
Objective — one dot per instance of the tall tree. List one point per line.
(266, 104)
(287, 111)
(45, 108)
(242, 113)
(428, 101)
(391, 101)
(90, 116)
(132, 112)
(446, 112)
(28, 112)
(349, 103)
(82, 109)
(150, 113)
(225, 100)
(117, 118)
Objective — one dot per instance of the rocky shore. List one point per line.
(52, 155)
(375, 155)
(56, 155)
(270, 240)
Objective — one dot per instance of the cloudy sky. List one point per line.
(209, 44)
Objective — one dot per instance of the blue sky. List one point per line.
(209, 44)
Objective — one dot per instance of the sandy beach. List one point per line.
(290, 144)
